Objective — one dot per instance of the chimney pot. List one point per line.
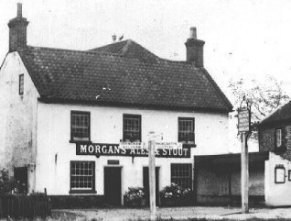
(114, 37)
(193, 32)
(19, 10)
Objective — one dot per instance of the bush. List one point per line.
(135, 197)
(7, 184)
(174, 195)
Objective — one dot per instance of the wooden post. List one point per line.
(244, 173)
(152, 178)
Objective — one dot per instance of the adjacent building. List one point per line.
(77, 123)
(275, 137)
(217, 178)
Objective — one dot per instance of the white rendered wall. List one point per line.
(277, 194)
(55, 152)
(17, 114)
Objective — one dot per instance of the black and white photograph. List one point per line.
(145, 110)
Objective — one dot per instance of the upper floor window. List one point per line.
(186, 130)
(278, 134)
(21, 84)
(131, 128)
(80, 126)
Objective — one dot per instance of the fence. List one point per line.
(35, 205)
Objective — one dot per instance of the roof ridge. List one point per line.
(113, 43)
(76, 51)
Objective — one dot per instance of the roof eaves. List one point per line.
(268, 119)
(52, 100)
(4, 60)
(253, 155)
(217, 88)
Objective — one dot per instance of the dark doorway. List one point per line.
(20, 175)
(146, 184)
(112, 185)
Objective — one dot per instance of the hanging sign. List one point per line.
(167, 150)
(244, 120)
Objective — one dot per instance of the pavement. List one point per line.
(180, 213)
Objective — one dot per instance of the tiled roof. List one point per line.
(123, 73)
(281, 114)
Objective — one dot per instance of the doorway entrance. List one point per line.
(20, 175)
(112, 185)
(146, 184)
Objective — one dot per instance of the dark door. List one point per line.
(20, 175)
(112, 185)
(146, 184)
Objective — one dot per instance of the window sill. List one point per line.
(80, 141)
(82, 191)
(188, 145)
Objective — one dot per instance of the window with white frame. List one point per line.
(278, 137)
(80, 126)
(186, 129)
(82, 176)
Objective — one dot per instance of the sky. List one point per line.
(247, 39)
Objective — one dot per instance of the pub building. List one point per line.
(76, 123)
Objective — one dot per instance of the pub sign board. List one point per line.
(244, 120)
(166, 150)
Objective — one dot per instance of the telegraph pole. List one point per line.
(244, 124)
(152, 176)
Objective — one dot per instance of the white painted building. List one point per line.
(53, 99)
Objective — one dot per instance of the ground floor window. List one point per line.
(181, 174)
(82, 176)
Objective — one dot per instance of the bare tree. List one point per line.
(265, 96)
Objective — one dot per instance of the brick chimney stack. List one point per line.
(194, 48)
(17, 30)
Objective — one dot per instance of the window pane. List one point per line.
(181, 174)
(82, 175)
(186, 130)
(132, 128)
(21, 84)
(278, 137)
(80, 125)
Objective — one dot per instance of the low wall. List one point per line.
(277, 193)
(211, 200)
(77, 201)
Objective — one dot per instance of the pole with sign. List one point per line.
(152, 177)
(244, 122)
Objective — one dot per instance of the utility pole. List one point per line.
(152, 176)
(244, 128)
